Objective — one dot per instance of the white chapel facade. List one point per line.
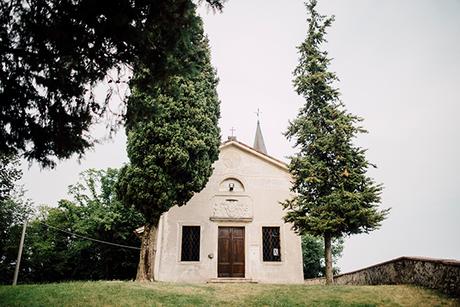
(233, 228)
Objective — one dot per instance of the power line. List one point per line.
(91, 239)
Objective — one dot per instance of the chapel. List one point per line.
(233, 230)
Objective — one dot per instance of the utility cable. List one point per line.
(91, 239)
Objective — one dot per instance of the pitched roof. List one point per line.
(233, 141)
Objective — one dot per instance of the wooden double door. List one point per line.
(230, 252)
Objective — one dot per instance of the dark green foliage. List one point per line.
(50, 255)
(313, 255)
(14, 210)
(172, 128)
(53, 54)
(334, 197)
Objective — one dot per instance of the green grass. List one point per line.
(118, 293)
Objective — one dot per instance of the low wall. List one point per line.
(439, 274)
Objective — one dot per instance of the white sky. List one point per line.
(399, 66)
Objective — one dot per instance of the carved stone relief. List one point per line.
(231, 208)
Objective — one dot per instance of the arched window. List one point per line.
(231, 185)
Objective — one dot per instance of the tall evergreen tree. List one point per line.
(53, 54)
(173, 135)
(333, 194)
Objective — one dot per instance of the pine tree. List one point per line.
(173, 135)
(333, 195)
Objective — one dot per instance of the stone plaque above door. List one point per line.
(227, 208)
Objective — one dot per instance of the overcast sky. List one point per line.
(399, 68)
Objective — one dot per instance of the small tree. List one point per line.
(15, 209)
(333, 195)
(10, 172)
(173, 136)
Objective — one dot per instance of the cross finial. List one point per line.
(258, 113)
(232, 130)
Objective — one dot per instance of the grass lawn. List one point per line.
(119, 293)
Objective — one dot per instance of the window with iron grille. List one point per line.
(190, 243)
(271, 243)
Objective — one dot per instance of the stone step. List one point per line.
(231, 280)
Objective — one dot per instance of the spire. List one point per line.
(259, 143)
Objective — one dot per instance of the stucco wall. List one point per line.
(439, 274)
(265, 185)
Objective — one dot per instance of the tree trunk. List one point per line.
(328, 258)
(147, 256)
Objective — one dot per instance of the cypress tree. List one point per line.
(173, 134)
(333, 194)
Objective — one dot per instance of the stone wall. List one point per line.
(442, 275)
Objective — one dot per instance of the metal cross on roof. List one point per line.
(232, 130)
(258, 113)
